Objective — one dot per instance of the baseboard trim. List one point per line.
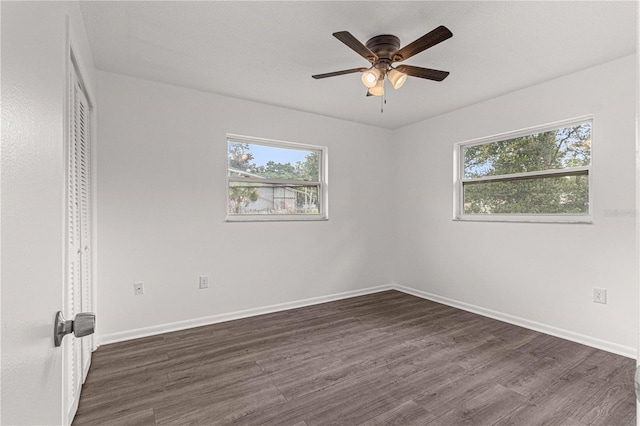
(105, 339)
(605, 345)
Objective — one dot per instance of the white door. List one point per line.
(34, 114)
(78, 287)
(637, 375)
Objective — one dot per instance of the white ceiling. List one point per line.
(267, 51)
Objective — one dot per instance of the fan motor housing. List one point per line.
(384, 46)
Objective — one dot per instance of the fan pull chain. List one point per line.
(383, 98)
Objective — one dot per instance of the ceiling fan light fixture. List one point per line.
(378, 89)
(370, 77)
(397, 78)
(382, 51)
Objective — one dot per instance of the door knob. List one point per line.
(82, 325)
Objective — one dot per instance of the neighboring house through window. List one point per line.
(274, 180)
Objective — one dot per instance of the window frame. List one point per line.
(459, 180)
(323, 195)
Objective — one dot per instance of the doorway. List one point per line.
(78, 290)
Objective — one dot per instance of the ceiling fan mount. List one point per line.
(382, 51)
(384, 46)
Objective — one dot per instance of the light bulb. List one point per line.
(370, 77)
(378, 89)
(397, 78)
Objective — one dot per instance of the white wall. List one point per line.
(162, 204)
(34, 61)
(539, 274)
(162, 207)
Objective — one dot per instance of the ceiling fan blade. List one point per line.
(354, 43)
(335, 73)
(427, 73)
(428, 40)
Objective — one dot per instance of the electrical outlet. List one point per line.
(600, 295)
(204, 281)
(138, 289)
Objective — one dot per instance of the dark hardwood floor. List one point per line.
(382, 359)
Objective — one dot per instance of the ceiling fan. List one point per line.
(382, 51)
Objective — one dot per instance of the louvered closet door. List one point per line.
(77, 356)
(84, 183)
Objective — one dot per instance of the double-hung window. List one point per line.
(539, 174)
(274, 180)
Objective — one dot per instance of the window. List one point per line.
(271, 180)
(539, 174)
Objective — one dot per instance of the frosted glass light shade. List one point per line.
(397, 78)
(378, 89)
(370, 77)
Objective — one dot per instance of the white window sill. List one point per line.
(277, 218)
(579, 220)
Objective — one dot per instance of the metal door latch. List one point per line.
(82, 325)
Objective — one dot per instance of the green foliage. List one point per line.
(307, 199)
(303, 170)
(550, 195)
(558, 149)
(310, 167)
(240, 157)
(241, 196)
(278, 171)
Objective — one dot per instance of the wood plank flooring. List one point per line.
(382, 359)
